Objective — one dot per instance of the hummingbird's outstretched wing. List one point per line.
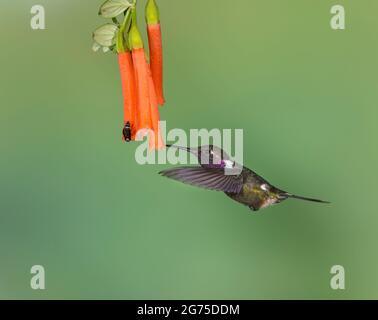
(212, 179)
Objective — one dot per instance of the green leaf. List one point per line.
(106, 35)
(113, 8)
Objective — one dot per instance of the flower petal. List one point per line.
(96, 47)
(106, 35)
(113, 8)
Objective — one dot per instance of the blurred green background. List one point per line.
(73, 199)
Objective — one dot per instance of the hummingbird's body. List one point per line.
(245, 187)
(256, 192)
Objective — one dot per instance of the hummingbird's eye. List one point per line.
(264, 187)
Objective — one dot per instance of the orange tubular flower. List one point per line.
(128, 83)
(129, 93)
(156, 140)
(141, 73)
(156, 48)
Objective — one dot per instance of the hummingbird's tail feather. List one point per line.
(288, 195)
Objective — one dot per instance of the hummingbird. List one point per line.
(245, 186)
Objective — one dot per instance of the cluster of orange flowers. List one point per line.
(142, 82)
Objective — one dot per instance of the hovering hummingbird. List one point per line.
(246, 186)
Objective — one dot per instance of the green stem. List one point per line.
(121, 45)
(135, 39)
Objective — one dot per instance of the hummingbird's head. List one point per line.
(268, 195)
(213, 157)
(210, 156)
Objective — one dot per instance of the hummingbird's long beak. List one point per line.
(178, 147)
(306, 199)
